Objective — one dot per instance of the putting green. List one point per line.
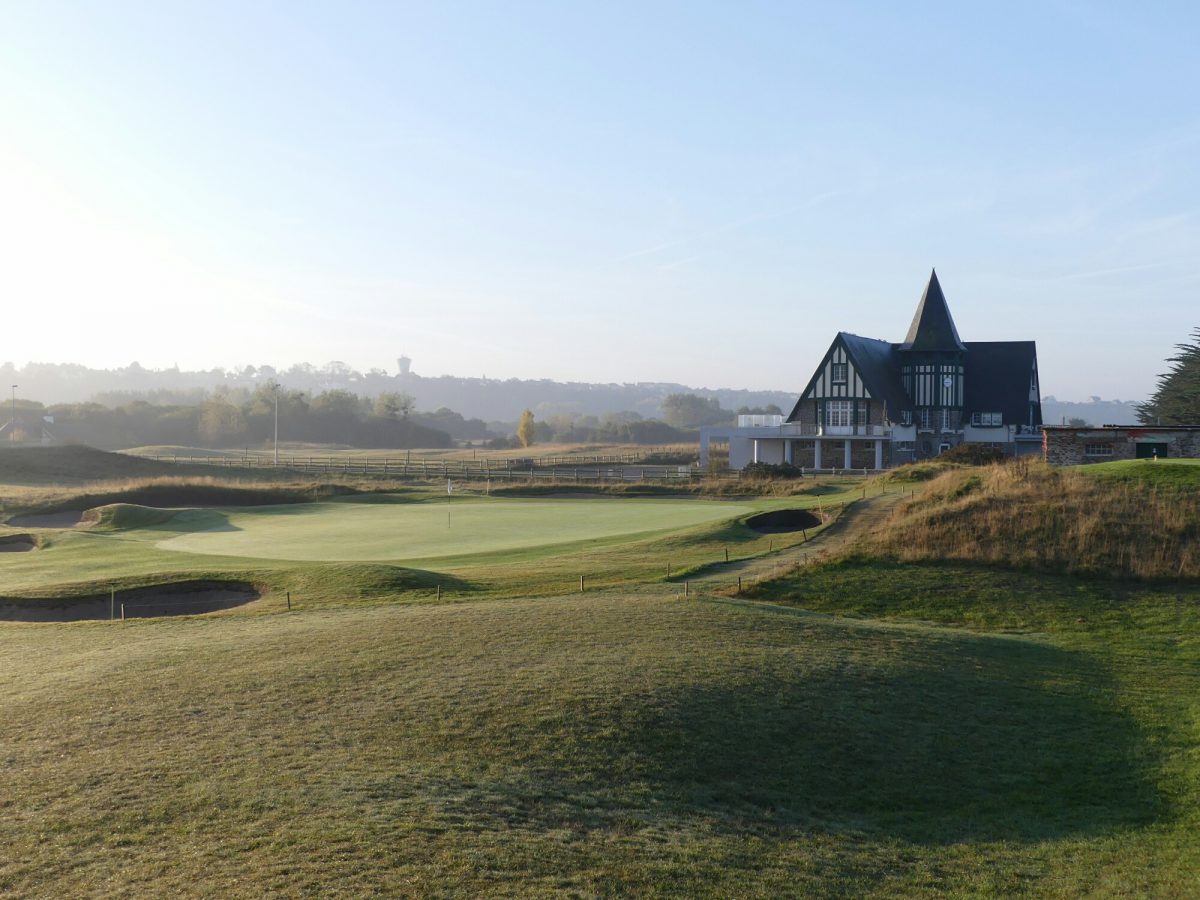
(338, 532)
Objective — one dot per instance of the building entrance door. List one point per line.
(1151, 450)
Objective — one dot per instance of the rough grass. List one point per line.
(584, 746)
(1138, 521)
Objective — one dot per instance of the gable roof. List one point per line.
(997, 377)
(932, 327)
(876, 364)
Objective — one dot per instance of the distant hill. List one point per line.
(1093, 411)
(489, 399)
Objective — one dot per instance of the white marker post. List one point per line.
(449, 491)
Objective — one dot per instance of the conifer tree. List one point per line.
(1177, 399)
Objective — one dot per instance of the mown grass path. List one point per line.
(859, 518)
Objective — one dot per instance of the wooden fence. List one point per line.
(546, 469)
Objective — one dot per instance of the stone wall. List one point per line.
(1068, 446)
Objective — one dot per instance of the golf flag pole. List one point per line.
(449, 491)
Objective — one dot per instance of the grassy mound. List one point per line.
(1064, 520)
(75, 465)
(120, 516)
(166, 492)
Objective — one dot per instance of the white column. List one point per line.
(847, 445)
(755, 450)
(787, 452)
(816, 453)
(879, 454)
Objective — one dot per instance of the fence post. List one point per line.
(581, 584)
(122, 612)
(739, 584)
(289, 596)
(439, 592)
(685, 589)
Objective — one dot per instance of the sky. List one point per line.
(609, 192)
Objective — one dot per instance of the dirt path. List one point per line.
(860, 518)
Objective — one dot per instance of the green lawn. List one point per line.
(608, 745)
(384, 549)
(1170, 473)
(855, 729)
(346, 531)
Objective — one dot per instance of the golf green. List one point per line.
(384, 531)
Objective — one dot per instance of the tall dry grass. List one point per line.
(1028, 514)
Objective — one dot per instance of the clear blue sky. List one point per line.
(701, 193)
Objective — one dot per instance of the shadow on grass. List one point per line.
(372, 581)
(1001, 741)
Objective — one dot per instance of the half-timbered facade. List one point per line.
(871, 403)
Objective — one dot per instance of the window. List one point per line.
(837, 412)
(906, 417)
(1097, 450)
(923, 420)
(840, 373)
(987, 419)
(906, 446)
(860, 414)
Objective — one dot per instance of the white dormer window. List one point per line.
(987, 419)
(840, 373)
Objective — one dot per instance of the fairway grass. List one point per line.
(606, 745)
(429, 530)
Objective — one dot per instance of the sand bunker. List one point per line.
(187, 598)
(65, 519)
(17, 543)
(781, 521)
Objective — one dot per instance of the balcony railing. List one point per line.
(774, 426)
(853, 430)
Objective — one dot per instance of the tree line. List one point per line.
(225, 420)
(229, 418)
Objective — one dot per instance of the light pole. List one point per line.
(275, 385)
(12, 435)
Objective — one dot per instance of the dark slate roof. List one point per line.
(932, 327)
(877, 365)
(997, 379)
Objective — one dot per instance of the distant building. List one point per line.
(30, 430)
(871, 404)
(403, 365)
(1064, 445)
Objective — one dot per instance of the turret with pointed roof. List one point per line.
(933, 361)
(932, 326)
